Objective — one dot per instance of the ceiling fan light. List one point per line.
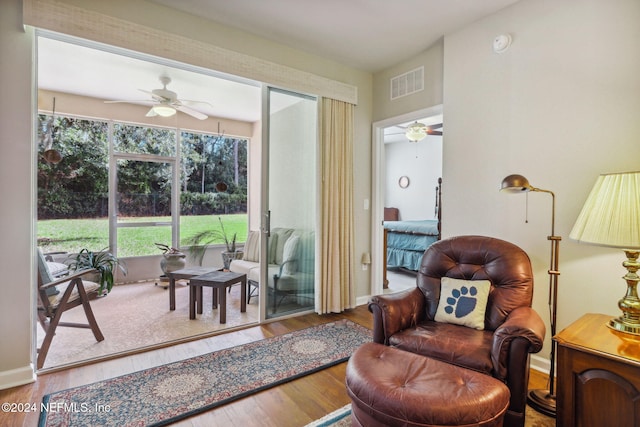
(416, 132)
(164, 110)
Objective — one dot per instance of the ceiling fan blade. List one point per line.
(429, 132)
(127, 102)
(198, 115)
(168, 98)
(154, 96)
(433, 126)
(191, 101)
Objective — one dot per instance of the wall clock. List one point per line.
(403, 182)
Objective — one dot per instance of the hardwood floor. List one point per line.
(294, 404)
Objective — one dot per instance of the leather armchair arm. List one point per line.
(395, 312)
(524, 323)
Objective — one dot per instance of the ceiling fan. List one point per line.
(166, 102)
(417, 131)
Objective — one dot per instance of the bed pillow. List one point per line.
(463, 302)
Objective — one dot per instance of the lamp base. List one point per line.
(620, 325)
(543, 402)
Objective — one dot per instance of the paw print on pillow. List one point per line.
(462, 301)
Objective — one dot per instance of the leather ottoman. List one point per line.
(391, 387)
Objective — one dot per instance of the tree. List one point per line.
(78, 186)
(74, 186)
(144, 187)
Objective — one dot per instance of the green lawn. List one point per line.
(72, 235)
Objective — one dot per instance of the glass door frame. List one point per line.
(265, 214)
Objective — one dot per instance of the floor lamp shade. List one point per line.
(611, 217)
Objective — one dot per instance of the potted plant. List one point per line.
(200, 241)
(172, 258)
(104, 262)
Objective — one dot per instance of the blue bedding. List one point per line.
(407, 241)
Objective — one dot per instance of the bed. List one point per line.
(406, 241)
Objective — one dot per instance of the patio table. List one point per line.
(219, 281)
(184, 273)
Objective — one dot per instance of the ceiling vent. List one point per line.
(407, 83)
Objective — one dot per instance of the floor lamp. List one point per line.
(543, 401)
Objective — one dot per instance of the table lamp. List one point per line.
(543, 401)
(611, 217)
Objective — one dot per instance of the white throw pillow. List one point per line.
(252, 247)
(278, 249)
(289, 255)
(57, 269)
(463, 302)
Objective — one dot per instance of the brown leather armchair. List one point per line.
(512, 329)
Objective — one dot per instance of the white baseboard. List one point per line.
(540, 363)
(363, 300)
(16, 377)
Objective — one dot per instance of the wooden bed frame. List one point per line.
(392, 214)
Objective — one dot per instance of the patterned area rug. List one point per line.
(165, 394)
(342, 418)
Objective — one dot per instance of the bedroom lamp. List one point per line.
(416, 132)
(611, 217)
(543, 401)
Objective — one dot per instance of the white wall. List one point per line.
(421, 162)
(17, 243)
(431, 59)
(559, 107)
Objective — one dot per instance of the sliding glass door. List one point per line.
(289, 203)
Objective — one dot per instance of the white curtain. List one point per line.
(337, 265)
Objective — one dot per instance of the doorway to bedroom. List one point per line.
(405, 177)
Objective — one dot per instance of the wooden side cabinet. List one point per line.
(598, 381)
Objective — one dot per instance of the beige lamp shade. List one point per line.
(611, 214)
